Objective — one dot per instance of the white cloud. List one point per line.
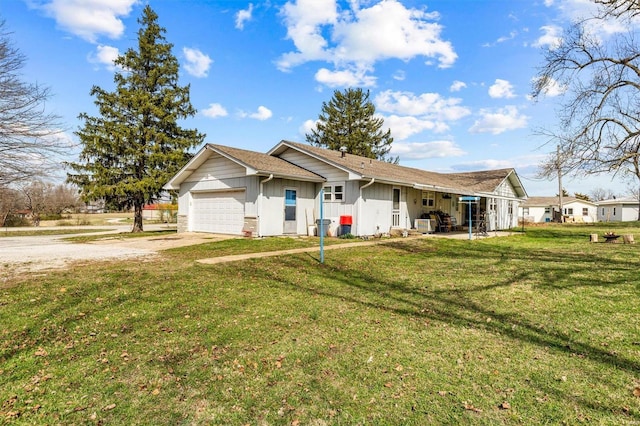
(307, 126)
(511, 36)
(457, 85)
(344, 78)
(501, 89)
(499, 121)
(552, 88)
(578, 10)
(551, 37)
(399, 75)
(105, 55)
(262, 114)
(242, 16)
(423, 150)
(197, 62)
(89, 19)
(403, 127)
(524, 163)
(361, 36)
(214, 111)
(430, 105)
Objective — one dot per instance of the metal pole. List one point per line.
(321, 226)
(470, 220)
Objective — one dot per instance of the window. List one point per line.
(614, 211)
(585, 211)
(525, 211)
(547, 210)
(569, 210)
(428, 199)
(492, 204)
(510, 208)
(334, 193)
(603, 211)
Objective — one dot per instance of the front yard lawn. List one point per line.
(537, 328)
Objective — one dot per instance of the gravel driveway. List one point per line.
(38, 253)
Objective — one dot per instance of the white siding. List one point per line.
(536, 214)
(375, 209)
(629, 213)
(329, 172)
(272, 208)
(216, 167)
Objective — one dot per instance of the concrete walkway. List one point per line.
(237, 257)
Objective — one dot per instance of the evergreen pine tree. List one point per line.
(134, 146)
(348, 121)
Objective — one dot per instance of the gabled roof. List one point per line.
(366, 168)
(553, 201)
(255, 163)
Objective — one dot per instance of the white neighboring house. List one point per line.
(623, 209)
(234, 191)
(543, 209)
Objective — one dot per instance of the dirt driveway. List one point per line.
(39, 253)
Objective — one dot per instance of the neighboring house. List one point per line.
(544, 209)
(234, 191)
(618, 210)
(164, 212)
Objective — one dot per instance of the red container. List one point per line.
(346, 220)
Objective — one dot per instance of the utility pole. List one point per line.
(559, 169)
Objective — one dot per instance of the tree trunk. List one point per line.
(137, 218)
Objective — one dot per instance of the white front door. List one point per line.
(395, 209)
(290, 211)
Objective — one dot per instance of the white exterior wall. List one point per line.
(505, 214)
(622, 213)
(629, 213)
(218, 174)
(577, 215)
(375, 208)
(272, 206)
(536, 214)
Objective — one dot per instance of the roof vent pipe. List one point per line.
(343, 150)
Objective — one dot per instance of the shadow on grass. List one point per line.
(455, 307)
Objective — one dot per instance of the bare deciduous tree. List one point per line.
(10, 200)
(599, 117)
(599, 194)
(29, 136)
(619, 8)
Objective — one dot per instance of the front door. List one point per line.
(395, 211)
(290, 203)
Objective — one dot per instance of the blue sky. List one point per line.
(450, 78)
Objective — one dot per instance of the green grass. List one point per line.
(537, 328)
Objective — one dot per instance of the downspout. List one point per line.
(359, 222)
(262, 182)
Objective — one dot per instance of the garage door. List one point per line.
(218, 212)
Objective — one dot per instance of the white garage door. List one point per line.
(218, 212)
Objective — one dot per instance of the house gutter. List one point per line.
(359, 218)
(262, 182)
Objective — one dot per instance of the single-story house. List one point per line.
(545, 209)
(283, 192)
(624, 209)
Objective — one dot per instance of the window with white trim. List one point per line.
(428, 199)
(334, 193)
(585, 211)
